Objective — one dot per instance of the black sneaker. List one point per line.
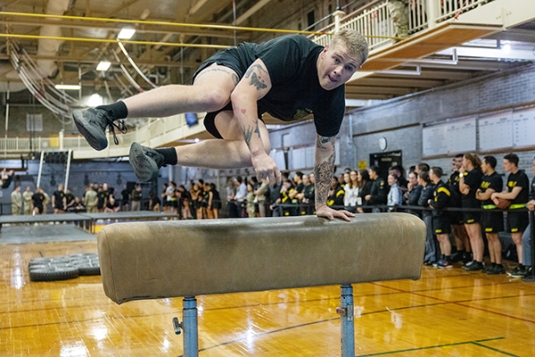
(92, 124)
(467, 258)
(457, 257)
(146, 162)
(496, 270)
(488, 268)
(475, 266)
(519, 272)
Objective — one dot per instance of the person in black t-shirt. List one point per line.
(518, 193)
(492, 222)
(125, 198)
(289, 77)
(38, 199)
(365, 188)
(379, 189)
(470, 177)
(441, 220)
(526, 236)
(69, 199)
(58, 200)
(462, 241)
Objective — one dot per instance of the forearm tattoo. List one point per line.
(324, 170)
(256, 79)
(248, 131)
(324, 174)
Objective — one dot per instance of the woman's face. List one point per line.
(346, 178)
(353, 176)
(412, 178)
(391, 180)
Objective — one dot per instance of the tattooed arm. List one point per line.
(323, 170)
(254, 85)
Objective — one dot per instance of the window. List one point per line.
(34, 122)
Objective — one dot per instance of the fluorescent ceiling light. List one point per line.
(126, 33)
(94, 100)
(67, 86)
(103, 66)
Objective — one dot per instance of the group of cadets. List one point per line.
(478, 193)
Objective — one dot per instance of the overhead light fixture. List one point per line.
(126, 33)
(103, 66)
(506, 47)
(67, 86)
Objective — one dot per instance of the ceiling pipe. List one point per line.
(49, 47)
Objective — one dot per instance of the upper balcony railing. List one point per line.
(373, 20)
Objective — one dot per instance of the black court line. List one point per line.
(476, 342)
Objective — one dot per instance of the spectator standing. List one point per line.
(231, 199)
(154, 202)
(16, 201)
(517, 221)
(125, 199)
(526, 236)
(394, 198)
(351, 188)
(241, 196)
(136, 195)
(91, 200)
(27, 197)
(69, 199)
(260, 195)
(38, 200)
(462, 241)
(58, 200)
(46, 201)
(470, 177)
(250, 201)
(441, 220)
(432, 253)
(214, 205)
(492, 222)
(365, 189)
(414, 190)
(379, 191)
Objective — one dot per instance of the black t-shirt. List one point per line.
(58, 198)
(296, 91)
(473, 180)
(125, 194)
(102, 196)
(299, 187)
(493, 181)
(69, 197)
(520, 179)
(453, 182)
(38, 199)
(532, 193)
(309, 193)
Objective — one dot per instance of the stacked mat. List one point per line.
(64, 267)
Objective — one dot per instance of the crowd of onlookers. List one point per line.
(469, 205)
(96, 198)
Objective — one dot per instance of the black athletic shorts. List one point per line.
(492, 222)
(228, 59)
(471, 217)
(441, 224)
(456, 217)
(517, 221)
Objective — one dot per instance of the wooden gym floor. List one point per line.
(446, 313)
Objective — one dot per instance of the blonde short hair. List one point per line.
(355, 43)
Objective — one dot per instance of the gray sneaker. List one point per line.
(92, 125)
(146, 162)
